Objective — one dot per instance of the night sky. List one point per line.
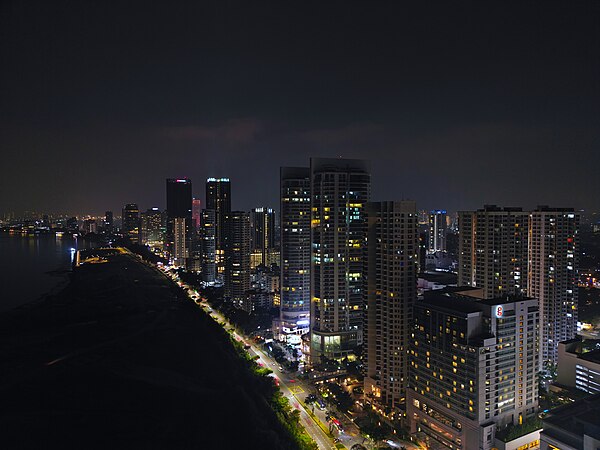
(457, 104)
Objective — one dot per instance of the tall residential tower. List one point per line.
(390, 291)
(508, 251)
(295, 253)
(340, 189)
(553, 264)
(218, 198)
(236, 240)
(179, 220)
(262, 236)
(493, 250)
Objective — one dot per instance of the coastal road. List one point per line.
(288, 388)
(294, 394)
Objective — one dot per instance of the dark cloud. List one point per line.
(456, 104)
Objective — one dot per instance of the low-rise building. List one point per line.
(573, 427)
(578, 368)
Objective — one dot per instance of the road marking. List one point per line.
(296, 389)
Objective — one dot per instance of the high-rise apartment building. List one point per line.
(130, 221)
(237, 259)
(390, 290)
(294, 318)
(207, 236)
(493, 250)
(437, 230)
(340, 189)
(218, 198)
(508, 251)
(473, 367)
(179, 232)
(553, 264)
(262, 236)
(151, 228)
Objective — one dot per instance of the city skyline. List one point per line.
(326, 225)
(98, 92)
(199, 191)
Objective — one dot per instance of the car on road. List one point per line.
(311, 398)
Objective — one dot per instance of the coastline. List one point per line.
(37, 268)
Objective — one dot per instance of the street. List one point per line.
(296, 391)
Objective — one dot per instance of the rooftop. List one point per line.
(572, 422)
(466, 299)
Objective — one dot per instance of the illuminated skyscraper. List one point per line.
(262, 236)
(130, 221)
(390, 291)
(437, 231)
(295, 253)
(493, 250)
(340, 189)
(151, 228)
(207, 236)
(179, 206)
(181, 250)
(508, 251)
(218, 198)
(553, 265)
(237, 259)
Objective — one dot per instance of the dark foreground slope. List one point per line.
(120, 359)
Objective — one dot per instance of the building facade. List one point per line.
(208, 248)
(493, 250)
(152, 232)
(179, 232)
(577, 368)
(180, 229)
(218, 198)
(340, 189)
(130, 221)
(294, 318)
(237, 259)
(473, 367)
(553, 264)
(262, 236)
(507, 251)
(390, 279)
(437, 230)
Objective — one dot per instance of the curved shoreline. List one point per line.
(43, 271)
